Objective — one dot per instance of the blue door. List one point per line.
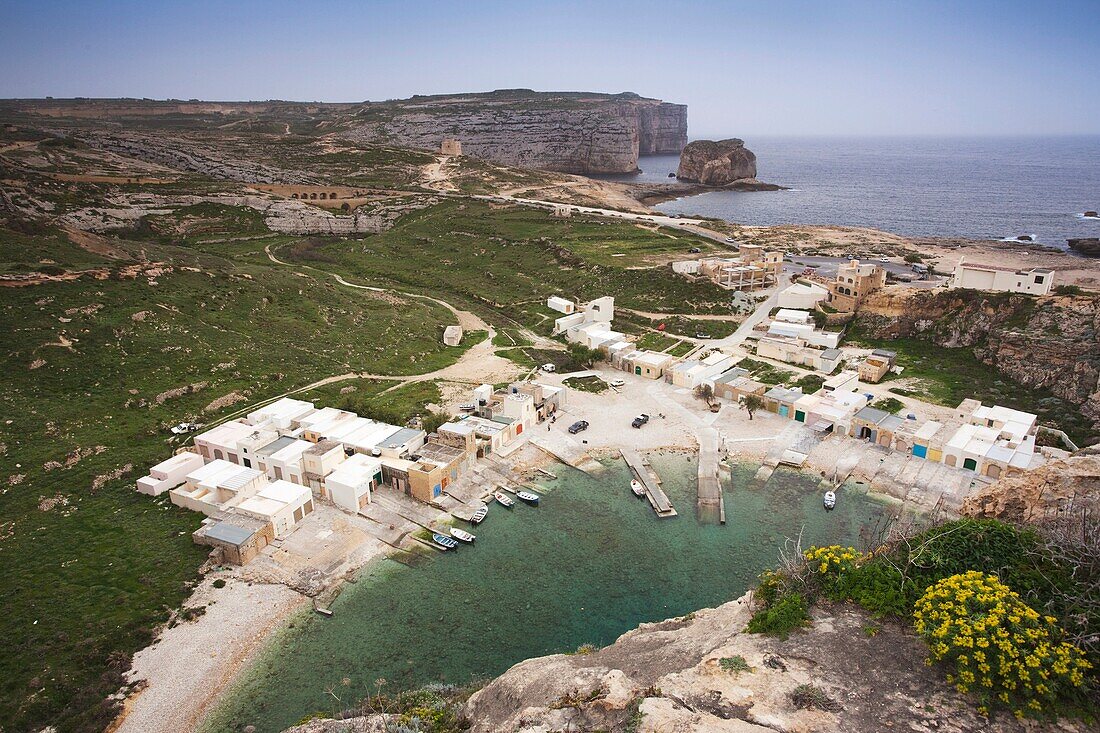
(782, 411)
(920, 451)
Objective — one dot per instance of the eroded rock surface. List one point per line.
(716, 163)
(568, 132)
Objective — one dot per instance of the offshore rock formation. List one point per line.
(1045, 342)
(572, 132)
(670, 677)
(716, 163)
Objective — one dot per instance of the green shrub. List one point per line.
(219, 583)
(734, 664)
(787, 613)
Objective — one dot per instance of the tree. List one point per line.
(752, 403)
(705, 392)
(583, 355)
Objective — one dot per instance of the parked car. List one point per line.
(640, 421)
(731, 240)
(701, 335)
(694, 250)
(578, 426)
(883, 259)
(549, 368)
(184, 427)
(617, 382)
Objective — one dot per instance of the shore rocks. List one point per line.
(716, 163)
(1087, 246)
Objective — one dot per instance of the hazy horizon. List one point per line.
(845, 69)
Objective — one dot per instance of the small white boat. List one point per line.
(479, 516)
(829, 502)
(528, 497)
(636, 487)
(461, 534)
(504, 500)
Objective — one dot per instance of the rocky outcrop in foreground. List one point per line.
(716, 163)
(1046, 491)
(703, 673)
(572, 132)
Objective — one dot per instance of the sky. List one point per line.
(743, 68)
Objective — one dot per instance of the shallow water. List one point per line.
(587, 565)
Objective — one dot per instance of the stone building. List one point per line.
(450, 146)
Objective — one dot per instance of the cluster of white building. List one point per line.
(977, 276)
(792, 337)
(590, 325)
(257, 477)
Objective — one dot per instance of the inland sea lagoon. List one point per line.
(584, 567)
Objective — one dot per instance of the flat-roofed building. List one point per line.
(216, 486)
(282, 503)
(283, 459)
(238, 537)
(995, 278)
(351, 484)
(854, 282)
(169, 474)
(282, 414)
(561, 305)
(221, 442)
(802, 295)
(319, 460)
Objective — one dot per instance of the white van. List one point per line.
(549, 368)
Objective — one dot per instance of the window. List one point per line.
(1038, 279)
(247, 463)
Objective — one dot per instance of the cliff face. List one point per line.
(573, 133)
(716, 163)
(1035, 495)
(670, 677)
(1049, 342)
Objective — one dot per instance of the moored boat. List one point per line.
(444, 541)
(528, 497)
(462, 535)
(479, 516)
(636, 487)
(829, 502)
(503, 499)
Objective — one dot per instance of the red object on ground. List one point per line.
(661, 327)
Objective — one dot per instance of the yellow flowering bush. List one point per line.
(832, 560)
(1001, 649)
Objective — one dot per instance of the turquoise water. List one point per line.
(587, 565)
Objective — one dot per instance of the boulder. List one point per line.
(1092, 215)
(716, 163)
(1087, 246)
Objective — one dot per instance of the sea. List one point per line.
(588, 564)
(972, 187)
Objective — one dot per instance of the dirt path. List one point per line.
(436, 176)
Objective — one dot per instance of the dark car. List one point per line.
(578, 426)
(640, 421)
(694, 250)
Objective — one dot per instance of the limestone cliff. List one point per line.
(716, 163)
(1029, 497)
(703, 673)
(1051, 342)
(573, 132)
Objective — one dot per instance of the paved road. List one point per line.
(670, 221)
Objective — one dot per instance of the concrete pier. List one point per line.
(650, 480)
(710, 500)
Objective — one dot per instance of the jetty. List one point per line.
(650, 480)
(710, 499)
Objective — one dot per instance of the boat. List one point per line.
(503, 500)
(479, 516)
(462, 535)
(528, 497)
(636, 487)
(829, 502)
(444, 540)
